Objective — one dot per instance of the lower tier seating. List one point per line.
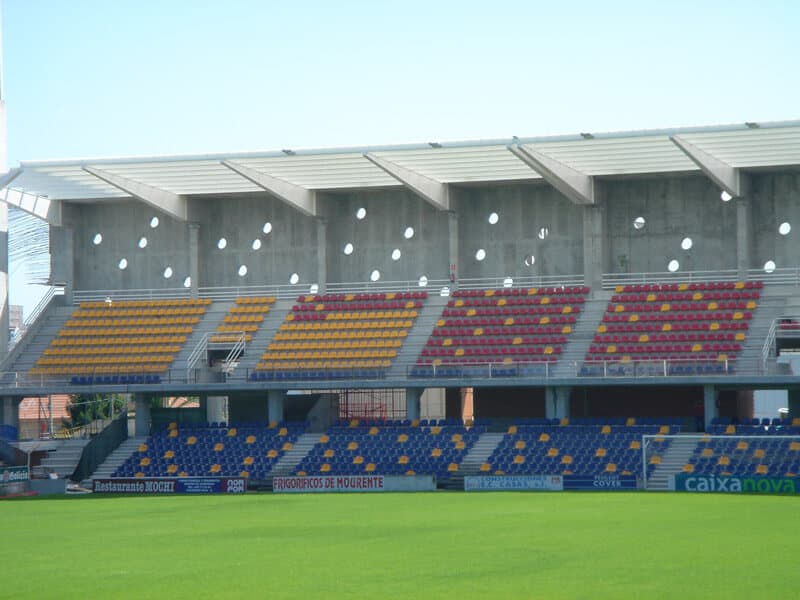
(776, 454)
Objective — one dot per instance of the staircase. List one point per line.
(418, 335)
(215, 313)
(258, 345)
(472, 462)
(286, 463)
(115, 459)
(578, 342)
(34, 343)
(672, 461)
(749, 359)
(62, 460)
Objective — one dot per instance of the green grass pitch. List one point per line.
(425, 545)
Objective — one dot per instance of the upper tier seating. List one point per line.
(501, 332)
(556, 447)
(340, 335)
(696, 327)
(244, 317)
(246, 450)
(121, 337)
(393, 448)
(772, 454)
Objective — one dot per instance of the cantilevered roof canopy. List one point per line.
(745, 146)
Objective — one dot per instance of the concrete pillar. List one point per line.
(593, 246)
(194, 257)
(142, 424)
(794, 403)
(744, 258)
(556, 404)
(9, 412)
(276, 400)
(62, 258)
(215, 408)
(710, 408)
(452, 234)
(322, 255)
(413, 396)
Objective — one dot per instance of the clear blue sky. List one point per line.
(143, 77)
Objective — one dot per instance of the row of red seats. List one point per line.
(510, 311)
(685, 296)
(498, 341)
(672, 316)
(472, 360)
(664, 348)
(522, 301)
(496, 321)
(545, 291)
(666, 337)
(494, 351)
(696, 286)
(626, 327)
(542, 330)
(639, 307)
(363, 296)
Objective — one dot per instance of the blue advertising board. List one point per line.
(602, 482)
(171, 485)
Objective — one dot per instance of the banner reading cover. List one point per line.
(171, 485)
(550, 483)
(353, 483)
(602, 482)
(10, 475)
(717, 484)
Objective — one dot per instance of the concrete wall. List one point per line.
(775, 200)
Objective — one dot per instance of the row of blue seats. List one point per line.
(317, 374)
(655, 369)
(484, 370)
(449, 422)
(755, 422)
(115, 379)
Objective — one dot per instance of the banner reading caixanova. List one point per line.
(10, 475)
(354, 483)
(550, 483)
(171, 485)
(706, 484)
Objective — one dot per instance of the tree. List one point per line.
(85, 408)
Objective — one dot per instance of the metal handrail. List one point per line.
(199, 351)
(236, 351)
(769, 341)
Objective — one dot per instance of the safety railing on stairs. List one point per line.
(199, 352)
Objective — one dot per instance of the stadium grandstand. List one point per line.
(548, 306)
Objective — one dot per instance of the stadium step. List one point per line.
(582, 335)
(472, 462)
(62, 460)
(289, 461)
(672, 461)
(261, 339)
(115, 459)
(418, 336)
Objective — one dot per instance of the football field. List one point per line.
(424, 545)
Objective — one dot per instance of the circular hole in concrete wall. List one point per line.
(375, 275)
(314, 289)
(242, 270)
(639, 223)
(187, 283)
(256, 244)
(508, 282)
(154, 222)
(396, 254)
(493, 218)
(361, 213)
(142, 242)
(480, 254)
(673, 266)
(122, 264)
(222, 243)
(530, 260)
(444, 292)
(167, 272)
(543, 232)
(423, 281)
(769, 266)
(784, 228)
(294, 278)
(97, 239)
(725, 196)
(267, 227)
(686, 243)
(348, 248)
(408, 233)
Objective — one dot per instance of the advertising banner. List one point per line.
(550, 483)
(353, 483)
(718, 484)
(171, 485)
(9, 475)
(602, 482)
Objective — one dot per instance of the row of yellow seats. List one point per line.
(329, 344)
(321, 364)
(229, 338)
(361, 315)
(100, 370)
(117, 341)
(128, 322)
(123, 331)
(148, 303)
(328, 326)
(249, 309)
(243, 319)
(105, 360)
(385, 334)
(332, 354)
(93, 350)
(255, 300)
(116, 312)
(237, 328)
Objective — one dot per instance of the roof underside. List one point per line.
(769, 145)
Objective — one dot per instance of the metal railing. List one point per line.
(200, 351)
(229, 364)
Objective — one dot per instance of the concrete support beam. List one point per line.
(9, 412)
(430, 190)
(556, 403)
(215, 408)
(452, 234)
(322, 255)
(413, 409)
(594, 249)
(194, 258)
(744, 244)
(710, 408)
(576, 186)
(162, 200)
(62, 259)
(721, 173)
(794, 403)
(276, 400)
(299, 197)
(38, 206)
(143, 420)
